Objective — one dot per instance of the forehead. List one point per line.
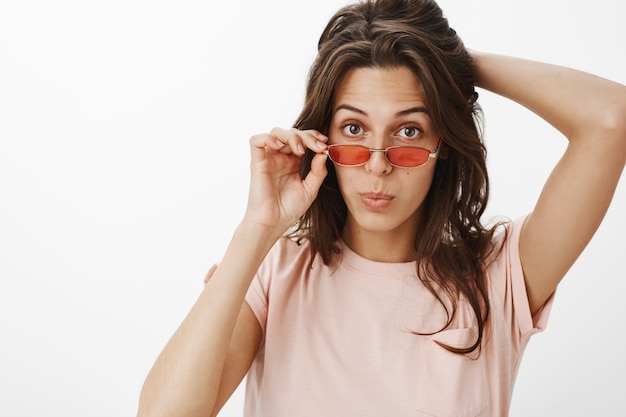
(379, 85)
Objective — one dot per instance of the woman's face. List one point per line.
(379, 108)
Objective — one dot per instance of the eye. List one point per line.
(409, 132)
(352, 129)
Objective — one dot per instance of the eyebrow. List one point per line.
(417, 109)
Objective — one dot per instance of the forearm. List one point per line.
(574, 102)
(186, 377)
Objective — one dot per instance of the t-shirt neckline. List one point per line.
(370, 267)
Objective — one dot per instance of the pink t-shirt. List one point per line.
(341, 340)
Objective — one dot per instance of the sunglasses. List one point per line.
(398, 156)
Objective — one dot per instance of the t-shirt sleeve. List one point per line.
(275, 278)
(507, 277)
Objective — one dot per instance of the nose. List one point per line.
(378, 163)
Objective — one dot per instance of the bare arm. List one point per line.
(212, 349)
(591, 113)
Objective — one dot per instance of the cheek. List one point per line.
(416, 174)
(417, 179)
(345, 175)
(343, 182)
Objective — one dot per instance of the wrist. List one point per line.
(477, 62)
(256, 231)
(249, 245)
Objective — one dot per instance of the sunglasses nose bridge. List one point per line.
(374, 160)
(373, 150)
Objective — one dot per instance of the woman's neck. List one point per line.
(392, 246)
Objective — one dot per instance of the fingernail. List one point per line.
(300, 148)
(320, 145)
(279, 143)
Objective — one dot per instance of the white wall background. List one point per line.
(124, 169)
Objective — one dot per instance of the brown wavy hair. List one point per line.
(453, 246)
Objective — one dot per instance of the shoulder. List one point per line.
(287, 251)
(509, 295)
(503, 265)
(288, 257)
(505, 240)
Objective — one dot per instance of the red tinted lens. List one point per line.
(349, 154)
(407, 156)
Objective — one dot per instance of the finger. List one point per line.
(315, 140)
(291, 138)
(260, 144)
(210, 273)
(266, 140)
(313, 180)
(317, 134)
(298, 140)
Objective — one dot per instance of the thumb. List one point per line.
(313, 180)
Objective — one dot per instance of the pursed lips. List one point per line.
(376, 200)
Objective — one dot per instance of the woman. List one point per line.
(389, 296)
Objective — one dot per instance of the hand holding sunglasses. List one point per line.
(278, 196)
